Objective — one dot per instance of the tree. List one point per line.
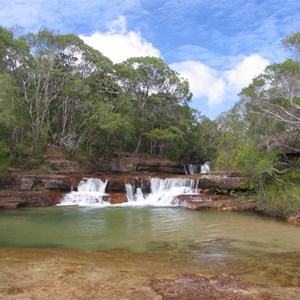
(292, 43)
(153, 87)
(275, 95)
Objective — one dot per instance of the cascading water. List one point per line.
(205, 167)
(90, 193)
(191, 169)
(164, 192)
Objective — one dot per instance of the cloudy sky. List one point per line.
(217, 45)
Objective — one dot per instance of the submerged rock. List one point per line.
(223, 286)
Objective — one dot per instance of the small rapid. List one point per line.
(163, 192)
(90, 192)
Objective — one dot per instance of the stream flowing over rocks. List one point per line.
(192, 191)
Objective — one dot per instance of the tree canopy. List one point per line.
(55, 89)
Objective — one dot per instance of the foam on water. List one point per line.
(90, 193)
(164, 192)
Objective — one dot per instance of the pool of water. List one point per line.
(146, 229)
(165, 239)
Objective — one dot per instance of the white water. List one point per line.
(164, 192)
(90, 193)
(191, 169)
(205, 168)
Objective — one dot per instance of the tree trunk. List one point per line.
(138, 146)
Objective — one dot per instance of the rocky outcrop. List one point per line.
(35, 183)
(32, 190)
(222, 181)
(137, 163)
(224, 203)
(14, 199)
(45, 190)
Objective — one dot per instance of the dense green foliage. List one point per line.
(54, 89)
(261, 135)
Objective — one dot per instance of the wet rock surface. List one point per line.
(223, 286)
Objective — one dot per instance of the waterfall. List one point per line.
(90, 193)
(163, 192)
(205, 167)
(191, 169)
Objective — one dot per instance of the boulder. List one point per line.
(115, 198)
(222, 181)
(116, 185)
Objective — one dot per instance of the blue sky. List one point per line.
(217, 45)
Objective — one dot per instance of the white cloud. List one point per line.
(118, 44)
(217, 86)
(204, 81)
(242, 74)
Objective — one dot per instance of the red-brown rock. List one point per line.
(225, 204)
(294, 219)
(115, 198)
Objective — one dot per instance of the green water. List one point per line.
(176, 240)
(147, 229)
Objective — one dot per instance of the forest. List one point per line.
(55, 89)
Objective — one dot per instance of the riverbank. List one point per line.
(120, 274)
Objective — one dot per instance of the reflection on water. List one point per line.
(255, 248)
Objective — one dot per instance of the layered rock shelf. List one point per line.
(46, 190)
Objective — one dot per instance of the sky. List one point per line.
(218, 45)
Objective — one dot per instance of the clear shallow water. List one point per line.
(153, 240)
(158, 229)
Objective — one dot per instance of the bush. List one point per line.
(6, 156)
(280, 202)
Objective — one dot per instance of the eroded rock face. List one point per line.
(32, 190)
(224, 203)
(133, 163)
(14, 199)
(226, 181)
(35, 183)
